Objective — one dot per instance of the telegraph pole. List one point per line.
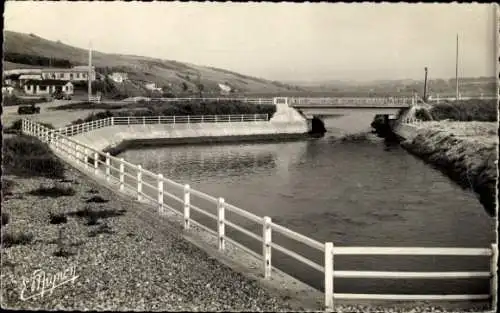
(456, 73)
(425, 85)
(90, 72)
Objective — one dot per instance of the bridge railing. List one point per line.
(190, 205)
(358, 101)
(76, 129)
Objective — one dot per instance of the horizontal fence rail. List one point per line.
(169, 196)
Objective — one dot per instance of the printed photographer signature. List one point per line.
(42, 283)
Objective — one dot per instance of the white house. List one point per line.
(152, 87)
(118, 77)
(225, 89)
(47, 87)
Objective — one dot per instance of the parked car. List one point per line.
(28, 109)
(59, 95)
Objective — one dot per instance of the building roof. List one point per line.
(47, 82)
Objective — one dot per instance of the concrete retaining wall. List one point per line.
(111, 137)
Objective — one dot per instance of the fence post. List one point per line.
(266, 246)
(86, 157)
(96, 162)
(160, 194)
(122, 174)
(328, 276)
(108, 169)
(143, 120)
(221, 224)
(494, 276)
(174, 119)
(187, 206)
(255, 117)
(112, 120)
(139, 183)
(159, 120)
(128, 120)
(215, 117)
(188, 120)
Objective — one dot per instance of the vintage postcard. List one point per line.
(260, 156)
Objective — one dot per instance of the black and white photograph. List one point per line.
(173, 156)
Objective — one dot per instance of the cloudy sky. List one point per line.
(282, 41)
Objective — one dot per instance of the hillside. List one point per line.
(165, 73)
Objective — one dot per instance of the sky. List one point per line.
(279, 41)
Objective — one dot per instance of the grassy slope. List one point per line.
(162, 72)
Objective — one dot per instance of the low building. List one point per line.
(77, 73)
(22, 79)
(48, 87)
(7, 90)
(152, 87)
(118, 77)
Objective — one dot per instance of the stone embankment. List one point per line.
(465, 151)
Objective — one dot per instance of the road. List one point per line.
(59, 118)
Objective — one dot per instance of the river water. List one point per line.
(361, 193)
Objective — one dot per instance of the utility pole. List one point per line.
(90, 72)
(456, 73)
(425, 85)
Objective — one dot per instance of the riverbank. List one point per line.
(465, 151)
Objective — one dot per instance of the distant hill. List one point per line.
(28, 50)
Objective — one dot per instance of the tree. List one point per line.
(200, 89)
(184, 87)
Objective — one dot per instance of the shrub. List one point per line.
(19, 238)
(97, 199)
(53, 192)
(222, 107)
(27, 156)
(466, 110)
(14, 100)
(57, 218)
(87, 212)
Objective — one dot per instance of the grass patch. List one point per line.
(103, 229)
(14, 239)
(93, 216)
(27, 156)
(466, 110)
(93, 191)
(59, 218)
(53, 192)
(63, 252)
(97, 199)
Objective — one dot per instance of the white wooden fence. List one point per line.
(143, 120)
(164, 194)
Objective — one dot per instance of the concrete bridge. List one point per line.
(318, 107)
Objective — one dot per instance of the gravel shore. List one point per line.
(138, 262)
(128, 266)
